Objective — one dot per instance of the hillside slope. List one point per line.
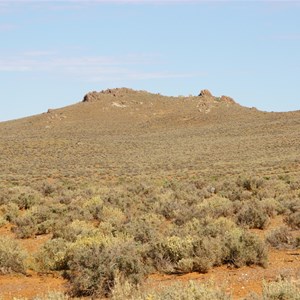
(123, 132)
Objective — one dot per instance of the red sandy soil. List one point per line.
(29, 286)
(32, 284)
(238, 282)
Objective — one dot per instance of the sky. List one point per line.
(54, 52)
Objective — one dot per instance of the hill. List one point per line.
(125, 132)
(127, 187)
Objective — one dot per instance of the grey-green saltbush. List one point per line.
(12, 256)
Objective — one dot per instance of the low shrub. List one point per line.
(220, 242)
(271, 207)
(94, 206)
(94, 262)
(215, 207)
(26, 226)
(281, 290)
(244, 248)
(280, 238)
(3, 221)
(75, 230)
(12, 256)
(293, 220)
(52, 255)
(167, 253)
(10, 212)
(146, 227)
(252, 215)
(113, 215)
(23, 196)
(217, 227)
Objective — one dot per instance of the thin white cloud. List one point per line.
(90, 68)
(49, 61)
(107, 1)
(287, 37)
(117, 75)
(271, 2)
(39, 53)
(7, 27)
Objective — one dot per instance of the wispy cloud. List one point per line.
(107, 1)
(273, 3)
(7, 27)
(287, 37)
(90, 68)
(140, 75)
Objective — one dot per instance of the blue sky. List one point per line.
(54, 52)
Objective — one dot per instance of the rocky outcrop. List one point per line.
(90, 97)
(205, 93)
(117, 92)
(227, 99)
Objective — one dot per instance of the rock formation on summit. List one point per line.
(227, 99)
(205, 93)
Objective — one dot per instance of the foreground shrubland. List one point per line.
(132, 229)
(274, 290)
